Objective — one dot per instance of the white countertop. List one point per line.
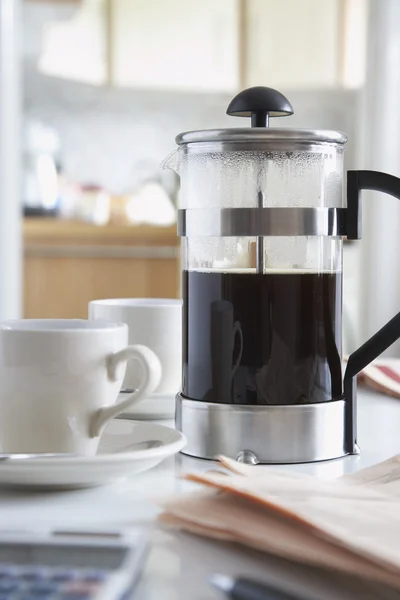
(179, 564)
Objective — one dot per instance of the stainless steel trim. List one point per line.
(60, 251)
(276, 221)
(270, 136)
(267, 434)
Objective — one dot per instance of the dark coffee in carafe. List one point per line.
(272, 338)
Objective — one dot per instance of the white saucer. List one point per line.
(155, 406)
(113, 461)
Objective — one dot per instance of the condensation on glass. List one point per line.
(212, 178)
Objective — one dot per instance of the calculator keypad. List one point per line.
(42, 583)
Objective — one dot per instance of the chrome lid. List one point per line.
(259, 103)
(271, 138)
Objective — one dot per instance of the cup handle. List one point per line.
(151, 369)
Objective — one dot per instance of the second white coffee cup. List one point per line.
(155, 323)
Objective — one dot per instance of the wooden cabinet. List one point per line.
(76, 48)
(179, 44)
(293, 43)
(210, 45)
(68, 264)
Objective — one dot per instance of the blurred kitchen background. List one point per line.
(93, 93)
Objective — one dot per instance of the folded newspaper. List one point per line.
(349, 525)
(383, 375)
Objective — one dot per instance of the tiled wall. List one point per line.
(113, 137)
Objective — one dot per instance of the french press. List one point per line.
(262, 220)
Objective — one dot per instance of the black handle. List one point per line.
(389, 333)
(362, 357)
(365, 180)
(259, 103)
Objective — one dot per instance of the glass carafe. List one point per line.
(262, 218)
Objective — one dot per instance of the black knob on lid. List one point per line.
(259, 103)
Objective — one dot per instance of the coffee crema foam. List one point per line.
(272, 271)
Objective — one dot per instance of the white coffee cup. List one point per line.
(155, 323)
(60, 378)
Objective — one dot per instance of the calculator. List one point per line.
(71, 565)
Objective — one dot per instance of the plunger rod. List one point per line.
(260, 240)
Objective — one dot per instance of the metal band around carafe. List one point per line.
(249, 222)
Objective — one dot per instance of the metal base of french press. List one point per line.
(263, 434)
